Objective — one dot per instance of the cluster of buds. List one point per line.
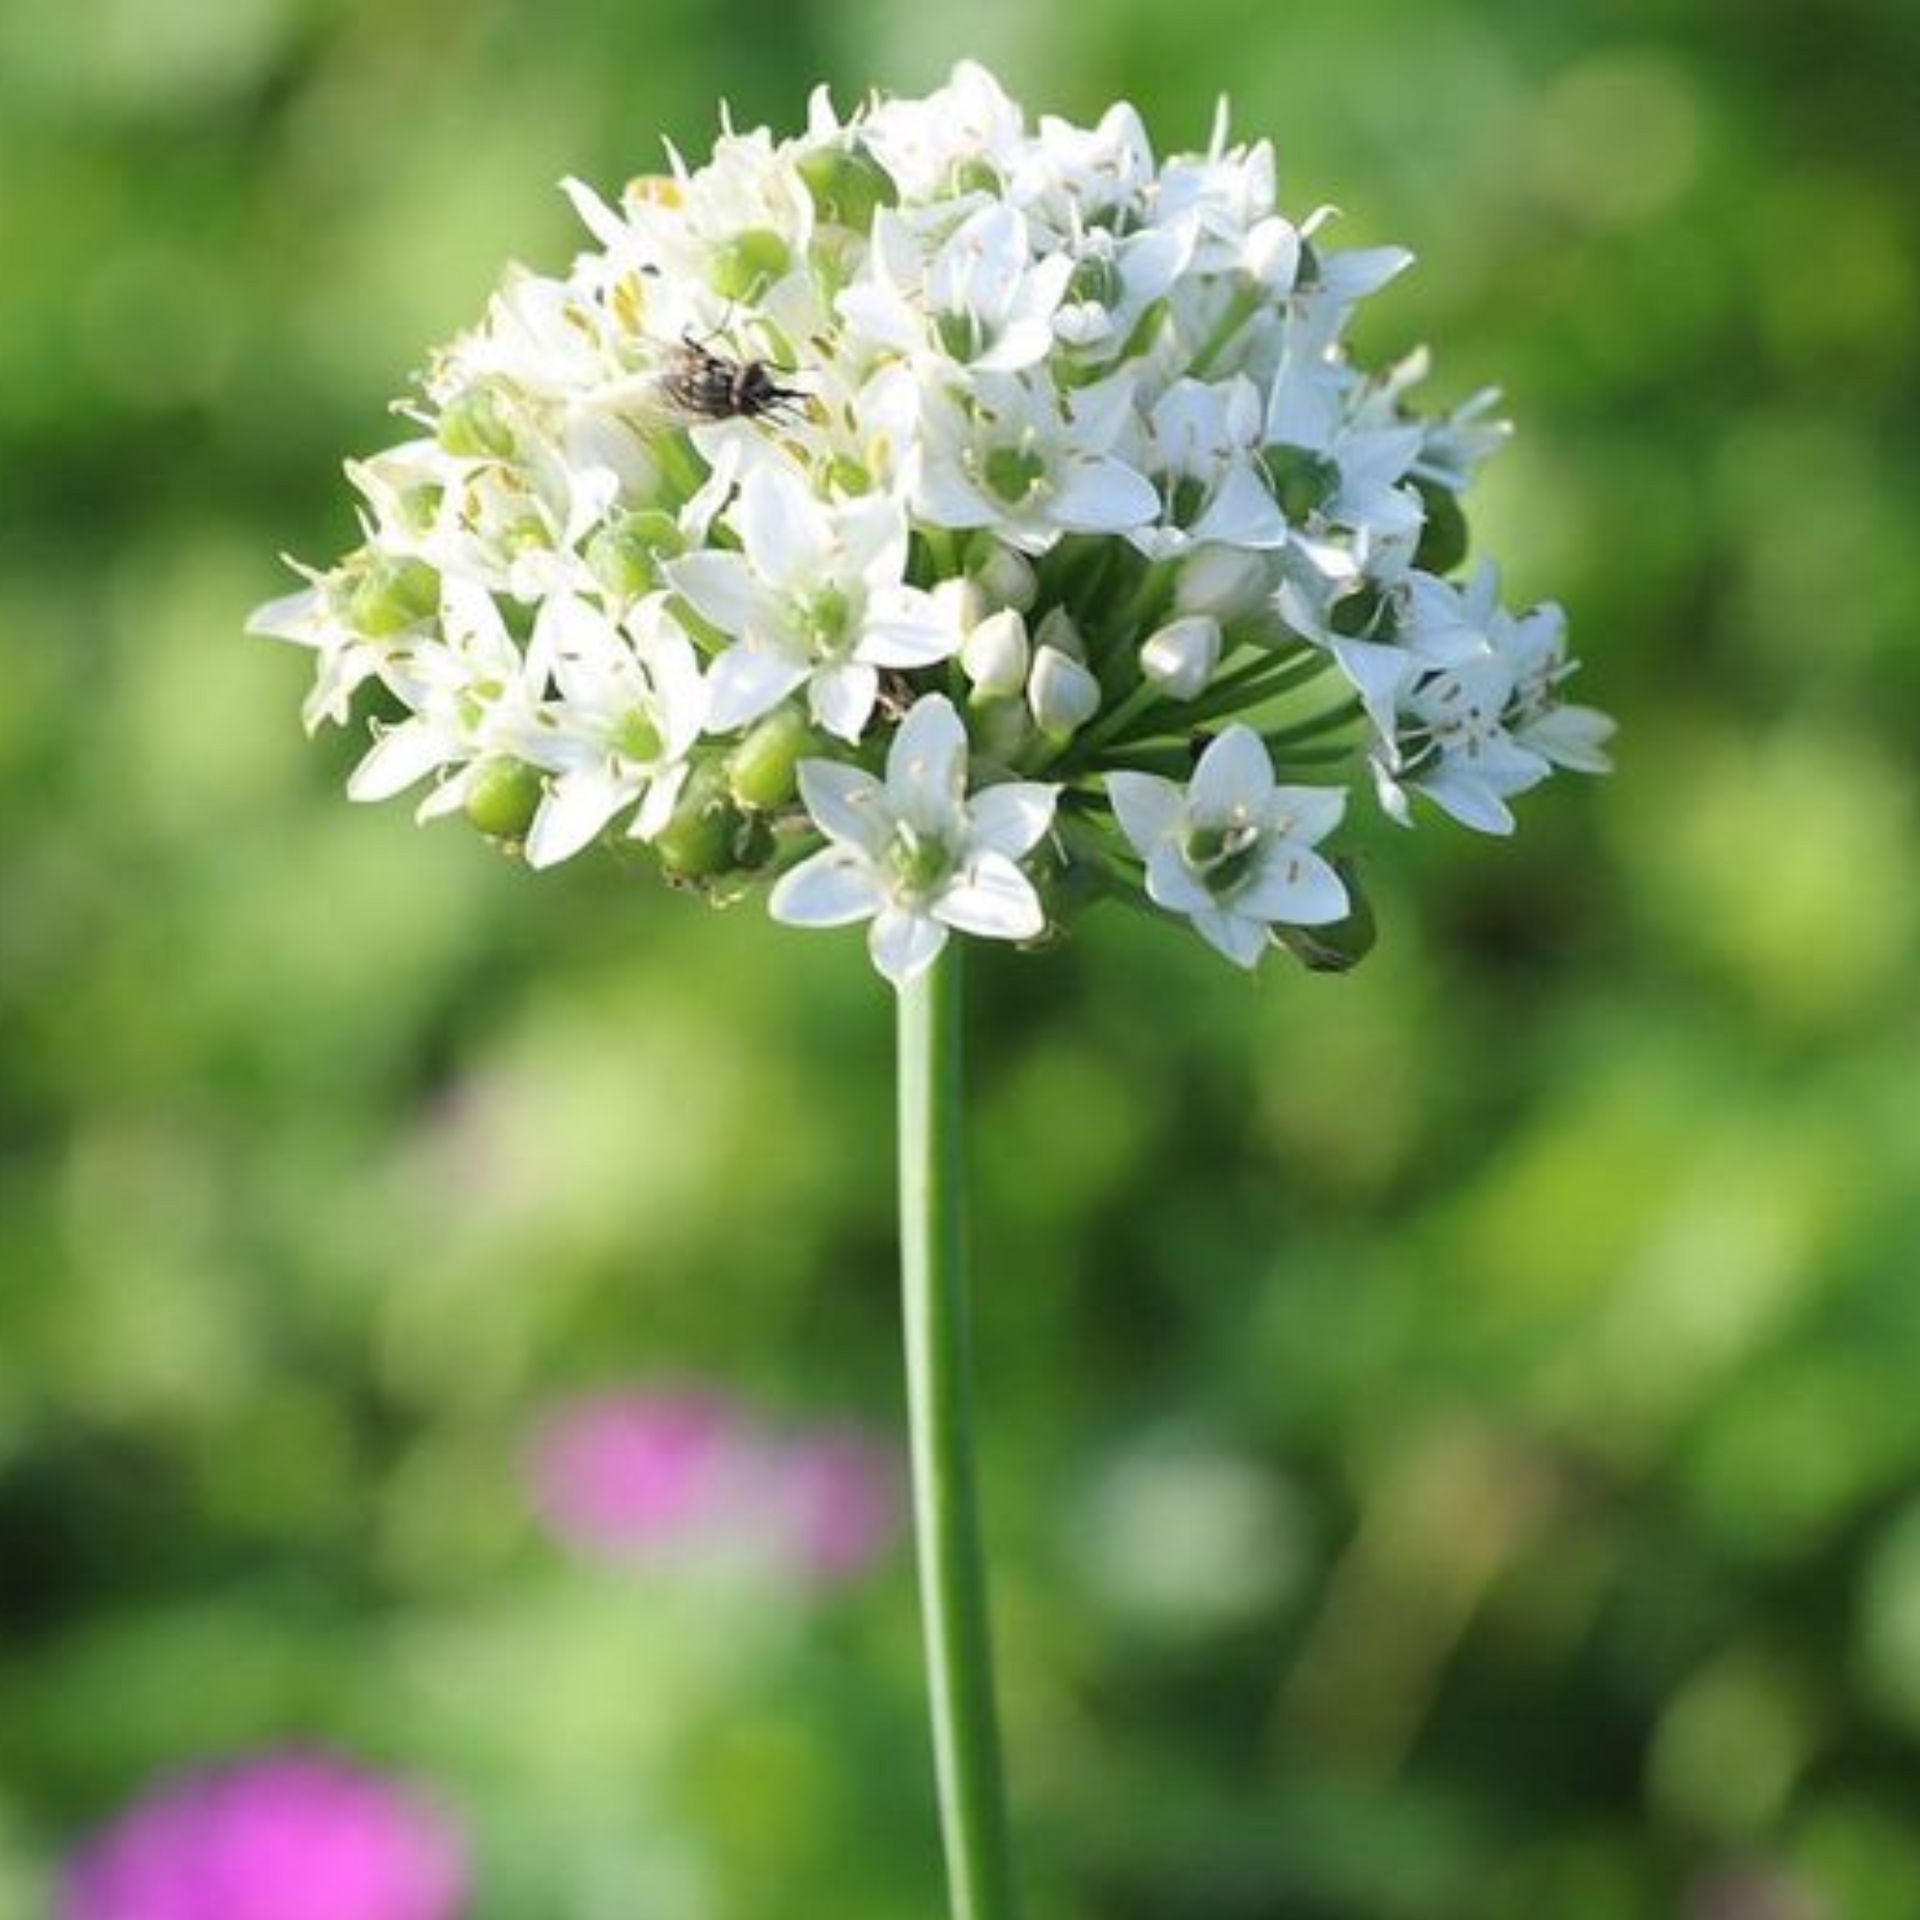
(938, 521)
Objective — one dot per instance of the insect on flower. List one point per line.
(704, 385)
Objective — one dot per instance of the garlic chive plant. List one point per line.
(933, 521)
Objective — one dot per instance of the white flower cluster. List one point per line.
(941, 519)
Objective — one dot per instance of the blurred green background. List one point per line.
(1453, 1433)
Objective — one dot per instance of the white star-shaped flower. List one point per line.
(815, 598)
(1233, 850)
(916, 854)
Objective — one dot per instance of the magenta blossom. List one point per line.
(286, 1837)
(640, 1476)
(688, 1478)
(840, 1502)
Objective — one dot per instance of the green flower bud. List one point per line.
(626, 553)
(504, 797)
(707, 835)
(1303, 481)
(391, 595)
(745, 265)
(1443, 540)
(763, 770)
(473, 425)
(1341, 947)
(849, 186)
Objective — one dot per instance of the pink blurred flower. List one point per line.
(626, 1476)
(639, 1477)
(286, 1837)
(840, 1503)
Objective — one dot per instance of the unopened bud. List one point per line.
(697, 843)
(1058, 631)
(473, 426)
(749, 263)
(1064, 696)
(1181, 657)
(848, 184)
(1005, 577)
(1271, 253)
(763, 770)
(392, 595)
(504, 797)
(996, 656)
(626, 553)
(1227, 582)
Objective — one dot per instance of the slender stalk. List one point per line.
(953, 1588)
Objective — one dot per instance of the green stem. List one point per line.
(953, 1588)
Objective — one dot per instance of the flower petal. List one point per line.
(577, 806)
(1011, 819)
(721, 588)
(1099, 494)
(1147, 807)
(401, 755)
(1242, 941)
(1171, 883)
(904, 944)
(994, 899)
(785, 529)
(833, 889)
(1234, 772)
(846, 804)
(746, 682)
(927, 766)
(1295, 887)
(841, 697)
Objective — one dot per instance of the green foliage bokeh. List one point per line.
(1452, 1433)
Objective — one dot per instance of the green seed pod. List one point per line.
(626, 553)
(473, 426)
(505, 796)
(763, 770)
(748, 263)
(697, 843)
(391, 595)
(849, 186)
(1443, 540)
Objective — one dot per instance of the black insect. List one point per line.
(704, 385)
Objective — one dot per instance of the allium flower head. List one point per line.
(292, 1837)
(894, 516)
